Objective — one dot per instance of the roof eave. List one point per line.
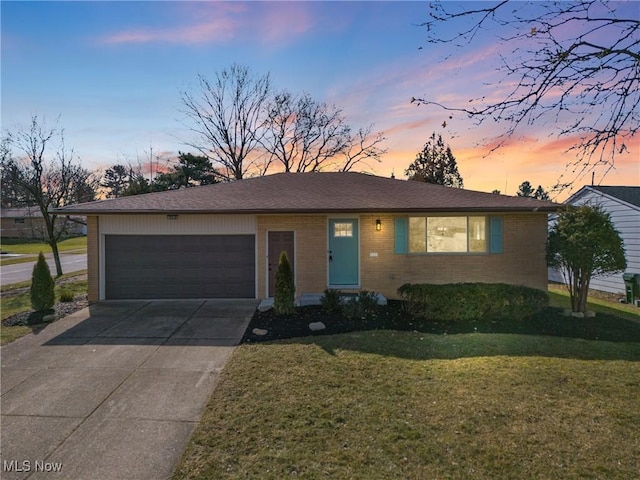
(266, 211)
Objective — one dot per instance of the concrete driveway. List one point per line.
(113, 391)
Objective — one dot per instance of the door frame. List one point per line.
(266, 259)
(359, 245)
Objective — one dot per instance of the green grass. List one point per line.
(406, 405)
(559, 297)
(21, 302)
(27, 283)
(33, 247)
(11, 334)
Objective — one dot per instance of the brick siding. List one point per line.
(310, 246)
(521, 263)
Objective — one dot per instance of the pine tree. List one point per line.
(283, 302)
(42, 285)
(435, 164)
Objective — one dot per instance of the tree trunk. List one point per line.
(583, 295)
(50, 222)
(56, 258)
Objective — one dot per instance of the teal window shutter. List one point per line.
(401, 235)
(495, 227)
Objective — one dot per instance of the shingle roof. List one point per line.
(329, 192)
(20, 212)
(626, 194)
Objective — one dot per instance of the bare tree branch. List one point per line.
(225, 116)
(302, 134)
(576, 64)
(46, 180)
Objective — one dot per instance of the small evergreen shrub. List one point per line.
(472, 301)
(66, 296)
(284, 298)
(330, 301)
(42, 286)
(364, 306)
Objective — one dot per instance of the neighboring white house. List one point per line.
(623, 204)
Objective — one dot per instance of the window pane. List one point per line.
(417, 234)
(343, 229)
(477, 237)
(447, 234)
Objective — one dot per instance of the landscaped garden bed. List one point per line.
(549, 321)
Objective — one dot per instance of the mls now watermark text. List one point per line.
(29, 466)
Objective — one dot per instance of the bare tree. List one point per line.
(225, 116)
(303, 135)
(576, 64)
(363, 147)
(44, 178)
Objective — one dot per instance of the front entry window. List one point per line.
(343, 229)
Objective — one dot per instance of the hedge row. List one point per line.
(472, 301)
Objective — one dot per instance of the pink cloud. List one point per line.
(216, 31)
(220, 22)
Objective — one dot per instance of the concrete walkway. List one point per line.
(115, 390)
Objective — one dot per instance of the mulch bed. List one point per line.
(61, 309)
(392, 317)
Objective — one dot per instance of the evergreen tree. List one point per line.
(42, 286)
(526, 190)
(435, 164)
(283, 302)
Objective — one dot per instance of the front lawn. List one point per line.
(26, 246)
(599, 302)
(30, 248)
(19, 301)
(410, 405)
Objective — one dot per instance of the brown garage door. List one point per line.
(179, 266)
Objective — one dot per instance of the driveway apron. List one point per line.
(113, 391)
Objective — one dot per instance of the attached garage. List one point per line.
(179, 266)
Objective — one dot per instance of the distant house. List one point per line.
(623, 204)
(341, 230)
(27, 222)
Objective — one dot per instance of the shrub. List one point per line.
(472, 301)
(330, 301)
(284, 298)
(66, 296)
(365, 305)
(42, 286)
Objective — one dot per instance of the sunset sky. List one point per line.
(113, 73)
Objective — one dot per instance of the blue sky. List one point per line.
(113, 72)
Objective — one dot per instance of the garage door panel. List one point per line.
(179, 266)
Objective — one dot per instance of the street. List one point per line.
(21, 272)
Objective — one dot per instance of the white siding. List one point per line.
(183, 225)
(626, 219)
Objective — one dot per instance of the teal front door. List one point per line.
(343, 252)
